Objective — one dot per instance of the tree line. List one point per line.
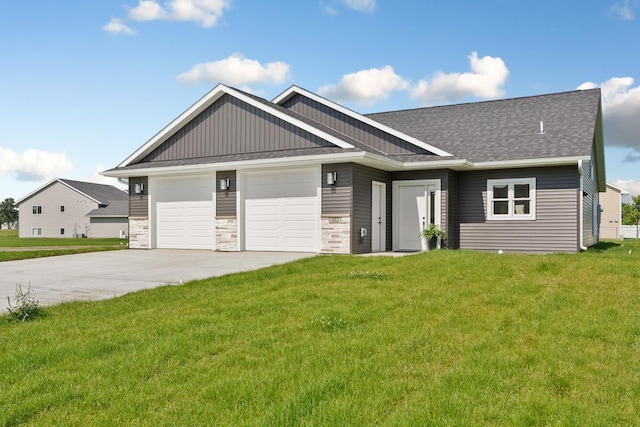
(8, 213)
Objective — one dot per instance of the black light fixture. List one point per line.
(331, 178)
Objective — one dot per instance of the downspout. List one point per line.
(581, 215)
(124, 181)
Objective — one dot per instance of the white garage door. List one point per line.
(184, 212)
(281, 211)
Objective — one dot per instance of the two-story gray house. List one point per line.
(67, 208)
(236, 172)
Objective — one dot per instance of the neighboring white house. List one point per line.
(66, 208)
(611, 215)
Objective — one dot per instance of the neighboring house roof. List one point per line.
(616, 188)
(117, 208)
(102, 194)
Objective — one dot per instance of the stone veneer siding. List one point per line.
(138, 233)
(226, 234)
(335, 234)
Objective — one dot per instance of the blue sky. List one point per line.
(85, 83)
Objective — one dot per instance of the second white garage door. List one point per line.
(281, 211)
(184, 210)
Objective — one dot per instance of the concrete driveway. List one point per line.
(100, 275)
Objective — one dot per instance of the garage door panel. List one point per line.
(281, 211)
(185, 215)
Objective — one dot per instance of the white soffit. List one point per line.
(206, 101)
(284, 96)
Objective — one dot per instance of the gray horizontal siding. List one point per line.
(139, 203)
(226, 199)
(555, 228)
(336, 199)
(231, 126)
(590, 204)
(347, 125)
(362, 207)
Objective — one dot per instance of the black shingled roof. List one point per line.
(103, 193)
(505, 129)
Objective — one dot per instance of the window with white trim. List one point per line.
(511, 199)
(36, 210)
(36, 231)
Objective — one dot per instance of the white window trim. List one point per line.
(36, 231)
(511, 216)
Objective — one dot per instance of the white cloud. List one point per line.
(632, 186)
(236, 70)
(361, 5)
(34, 165)
(486, 79)
(623, 10)
(620, 110)
(205, 12)
(365, 87)
(100, 179)
(116, 26)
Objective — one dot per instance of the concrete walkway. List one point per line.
(100, 275)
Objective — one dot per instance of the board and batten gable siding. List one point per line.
(590, 203)
(226, 199)
(448, 199)
(139, 203)
(363, 177)
(232, 126)
(555, 228)
(349, 126)
(51, 220)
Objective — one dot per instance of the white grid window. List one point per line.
(36, 231)
(36, 210)
(511, 199)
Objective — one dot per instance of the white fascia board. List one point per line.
(54, 180)
(295, 89)
(240, 165)
(206, 101)
(509, 164)
(618, 189)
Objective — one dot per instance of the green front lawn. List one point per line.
(47, 246)
(439, 338)
(10, 239)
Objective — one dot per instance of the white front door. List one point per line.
(416, 205)
(378, 219)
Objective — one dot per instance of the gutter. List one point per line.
(581, 218)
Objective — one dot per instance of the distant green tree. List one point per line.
(8, 212)
(631, 212)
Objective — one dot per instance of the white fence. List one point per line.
(629, 232)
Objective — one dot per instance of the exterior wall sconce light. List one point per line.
(331, 178)
(610, 220)
(138, 188)
(224, 184)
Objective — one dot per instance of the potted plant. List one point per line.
(430, 233)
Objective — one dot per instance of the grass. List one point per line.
(445, 338)
(48, 246)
